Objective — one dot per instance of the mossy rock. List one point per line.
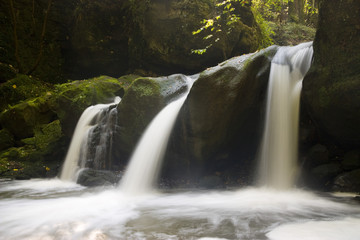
(219, 123)
(20, 88)
(141, 102)
(331, 87)
(69, 100)
(39, 156)
(22, 118)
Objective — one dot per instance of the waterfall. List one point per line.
(278, 156)
(144, 165)
(80, 142)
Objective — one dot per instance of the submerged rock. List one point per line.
(93, 178)
(348, 182)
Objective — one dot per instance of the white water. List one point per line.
(144, 165)
(278, 155)
(53, 209)
(71, 163)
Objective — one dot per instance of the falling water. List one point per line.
(79, 140)
(279, 145)
(145, 162)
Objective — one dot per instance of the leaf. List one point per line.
(208, 36)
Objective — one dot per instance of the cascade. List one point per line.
(144, 164)
(278, 154)
(78, 153)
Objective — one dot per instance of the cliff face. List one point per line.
(331, 99)
(332, 86)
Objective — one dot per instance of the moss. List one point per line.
(33, 158)
(69, 100)
(20, 88)
(141, 102)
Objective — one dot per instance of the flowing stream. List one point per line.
(54, 209)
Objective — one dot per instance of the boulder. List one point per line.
(93, 178)
(318, 154)
(348, 182)
(22, 118)
(39, 156)
(220, 123)
(20, 88)
(351, 160)
(69, 100)
(332, 85)
(322, 176)
(142, 101)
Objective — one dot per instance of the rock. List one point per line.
(40, 155)
(69, 100)
(20, 88)
(348, 182)
(318, 155)
(324, 174)
(211, 182)
(221, 117)
(6, 139)
(351, 160)
(141, 102)
(92, 178)
(331, 87)
(22, 118)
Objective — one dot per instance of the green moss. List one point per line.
(21, 119)
(20, 88)
(141, 102)
(32, 159)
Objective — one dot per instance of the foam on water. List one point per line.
(344, 229)
(110, 214)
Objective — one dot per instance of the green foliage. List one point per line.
(291, 33)
(266, 30)
(220, 25)
(273, 10)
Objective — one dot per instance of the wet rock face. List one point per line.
(219, 124)
(332, 85)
